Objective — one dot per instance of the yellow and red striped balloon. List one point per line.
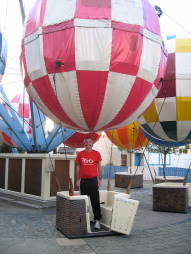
(128, 137)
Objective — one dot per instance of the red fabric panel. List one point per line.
(57, 27)
(168, 88)
(137, 95)
(91, 86)
(93, 9)
(59, 46)
(126, 27)
(151, 21)
(16, 99)
(122, 134)
(26, 109)
(7, 139)
(170, 69)
(77, 139)
(161, 69)
(126, 52)
(36, 17)
(140, 139)
(26, 76)
(47, 95)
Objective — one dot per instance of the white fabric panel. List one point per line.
(92, 22)
(34, 59)
(58, 11)
(141, 119)
(144, 105)
(150, 60)
(33, 36)
(68, 96)
(93, 48)
(183, 65)
(183, 88)
(39, 103)
(127, 11)
(157, 128)
(154, 37)
(166, 108)
(170, 45)
(117, 90)
(183, 129)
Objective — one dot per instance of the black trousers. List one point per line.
(90, 188)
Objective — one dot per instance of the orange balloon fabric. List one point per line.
(128, 137)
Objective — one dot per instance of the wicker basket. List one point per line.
(123, 179)
(71, 216)
(174, 179)
(171, 197)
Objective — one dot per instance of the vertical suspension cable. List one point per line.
(110, 167)
(70, 185)
(50, 159)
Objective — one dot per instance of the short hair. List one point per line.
(88, 138)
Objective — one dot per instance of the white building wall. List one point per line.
(109, 152)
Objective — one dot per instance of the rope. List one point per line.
(130, 182)
(110, 152)
(186, 175)
(70, 181)
(109, 171)
(177, 23)
(143, 151)
(23, 105)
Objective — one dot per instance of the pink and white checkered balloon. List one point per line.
(93, 64)
(22, 107)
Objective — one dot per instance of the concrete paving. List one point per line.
(25, 230)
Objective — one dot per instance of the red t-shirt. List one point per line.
(88, 162)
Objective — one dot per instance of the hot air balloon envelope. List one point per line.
(128, 137)
(77, 139)
(86, 61)
(168, 118)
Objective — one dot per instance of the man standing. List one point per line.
(89, 177)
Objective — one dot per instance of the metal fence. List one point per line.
(173, 171)
(108, 171)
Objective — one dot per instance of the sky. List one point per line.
(176, 17)
(11, 25)
(175, 20)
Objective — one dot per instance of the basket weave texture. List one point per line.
(123, 181)
(174, 180)
(170, 199)
(71, 216)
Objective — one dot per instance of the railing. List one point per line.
(35, 177)
(111, 170)
(173, 171)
